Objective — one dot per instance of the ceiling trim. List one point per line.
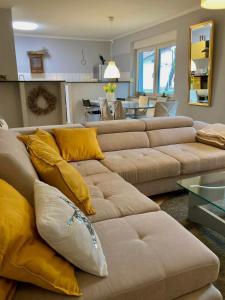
(59, 37)
(156, 40)
(186, 12)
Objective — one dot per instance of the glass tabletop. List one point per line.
(127, 104)
(210, 188)
(136, 105)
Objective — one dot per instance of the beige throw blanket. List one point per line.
(212, 134)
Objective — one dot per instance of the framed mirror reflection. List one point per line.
(201, 63)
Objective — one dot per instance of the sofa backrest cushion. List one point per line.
(198, 125)
(163, 137)
(15, 165)
(123, 141)
(170, 130)
(120, 134)
(32, 129)
(168, 122)
(117, 126)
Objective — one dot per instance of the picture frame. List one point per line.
(36, 62)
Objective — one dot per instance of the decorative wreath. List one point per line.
(33, 98)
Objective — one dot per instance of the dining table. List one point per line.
(132, 107)
(136, 107)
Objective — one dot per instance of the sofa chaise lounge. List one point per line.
(149, 254)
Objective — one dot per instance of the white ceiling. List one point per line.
(88, 18)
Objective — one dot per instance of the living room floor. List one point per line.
(176, 204)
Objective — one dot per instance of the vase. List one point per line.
(110, 96)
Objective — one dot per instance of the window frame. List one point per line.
(156, 49)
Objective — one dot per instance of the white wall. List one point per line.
(10, 104)
(64, 60)
(55, 117)
(123, 53)
(91, 91)
(7, 49)
(14, 109)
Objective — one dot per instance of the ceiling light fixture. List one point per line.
(111, 71)
(21, 25)
(213, 4)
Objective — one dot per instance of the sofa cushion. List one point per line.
(32, 129)
(149, 256)
(54, 170)
(67, 230)
(113, 197)
(123, 141)
(24, 256)
(44, 136)
(3, 124)
(162, 137)
(141, 165)
(89, 167)
(16, 167)
(116, 126)
(120, 134)
(195, 157)
(77, 144)
(167, 122)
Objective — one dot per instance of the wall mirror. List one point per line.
(201, 62)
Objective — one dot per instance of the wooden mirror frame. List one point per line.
(36, 55)
(210, 74)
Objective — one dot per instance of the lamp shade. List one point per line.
(112, 71)
(213, 4)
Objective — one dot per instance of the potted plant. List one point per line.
(110, 89)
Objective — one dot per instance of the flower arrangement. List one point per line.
(110, 87)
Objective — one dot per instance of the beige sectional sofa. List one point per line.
(150, 256)
(153, 154)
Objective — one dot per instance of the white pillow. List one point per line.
(3, 124)
(67, 230)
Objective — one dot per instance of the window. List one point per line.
(156, 70)
(146, 71)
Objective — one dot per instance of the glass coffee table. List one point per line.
(206, 200)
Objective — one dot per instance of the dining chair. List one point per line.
(118, 110)
(161, 99)
(106, 114)
(142, 101)
(90, 109)
(165, 109)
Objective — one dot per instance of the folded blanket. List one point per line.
(212, 134)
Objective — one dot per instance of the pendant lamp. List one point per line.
(111, 71)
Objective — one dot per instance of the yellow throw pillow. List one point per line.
(43, 135)
(7, 288)
(78, 143)
(54, 170)
(24, 256)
